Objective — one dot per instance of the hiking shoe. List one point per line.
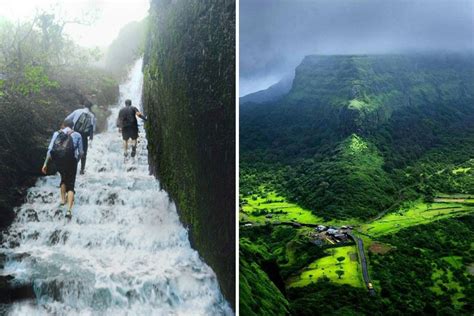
(134, 151)
(68, 214)
(82, 172)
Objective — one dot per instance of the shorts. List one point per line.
(130, 132)
(68, 170)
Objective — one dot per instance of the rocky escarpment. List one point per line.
(189, 97)
(333, 97)
(367, 89)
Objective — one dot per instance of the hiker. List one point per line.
(128, 125)
(84, 123)
(65, 149)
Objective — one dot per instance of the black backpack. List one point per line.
(84, 124)
(63, 147)
(128, 117)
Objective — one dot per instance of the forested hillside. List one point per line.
(354, 130)
(189, 97)
(379, 150)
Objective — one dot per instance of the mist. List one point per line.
(101, 20)
(276, 34)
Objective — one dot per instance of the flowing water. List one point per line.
(124, 252)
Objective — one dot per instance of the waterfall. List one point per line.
(124, 252)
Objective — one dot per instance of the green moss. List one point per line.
(189, 97)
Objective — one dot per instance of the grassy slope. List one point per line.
(418, 213)
(255, 208)
(327, 266)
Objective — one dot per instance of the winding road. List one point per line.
(363, 262)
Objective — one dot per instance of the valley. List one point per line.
(359, 183)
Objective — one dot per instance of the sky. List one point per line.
(110, 16)
(275, 35)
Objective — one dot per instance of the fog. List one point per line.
(276, 34)
(104, 18)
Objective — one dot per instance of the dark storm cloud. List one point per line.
(276, 34)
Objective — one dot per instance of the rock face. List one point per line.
(333, 97)
(189, 97)
(273, 93)
(367, 89)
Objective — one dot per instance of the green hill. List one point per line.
(384, 144)
(414, 113)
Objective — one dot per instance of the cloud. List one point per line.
(111, 16)
(276, 34)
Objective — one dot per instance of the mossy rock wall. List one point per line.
(189, 97)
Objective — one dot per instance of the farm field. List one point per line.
(255, 208)
(418, 213)
(327, 266)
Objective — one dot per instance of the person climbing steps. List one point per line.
(65, 150)
(85, 124)
(128, 126)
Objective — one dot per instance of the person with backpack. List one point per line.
(84, 123)
(128, 125)
(65, 150)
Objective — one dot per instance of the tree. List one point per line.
(341, 259)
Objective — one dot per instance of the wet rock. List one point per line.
(33, 236)
(58, 213)
(31, 215)
(64, 237)
(132, 296)
(113, 199)
(11, 292)
(3, 258)
(54, 238)
(47, 198)
(52, 289)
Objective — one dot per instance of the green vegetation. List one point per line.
(258, 294)
(429, 263)
(291, 248)
(327, 298)
(329, 266)
(267, 205)
(415, 213)
(189, 97)
(43, 77)
(383, 143)
(350, 182)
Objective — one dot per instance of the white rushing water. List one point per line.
(124, 252)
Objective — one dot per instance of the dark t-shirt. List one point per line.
(127, 117)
